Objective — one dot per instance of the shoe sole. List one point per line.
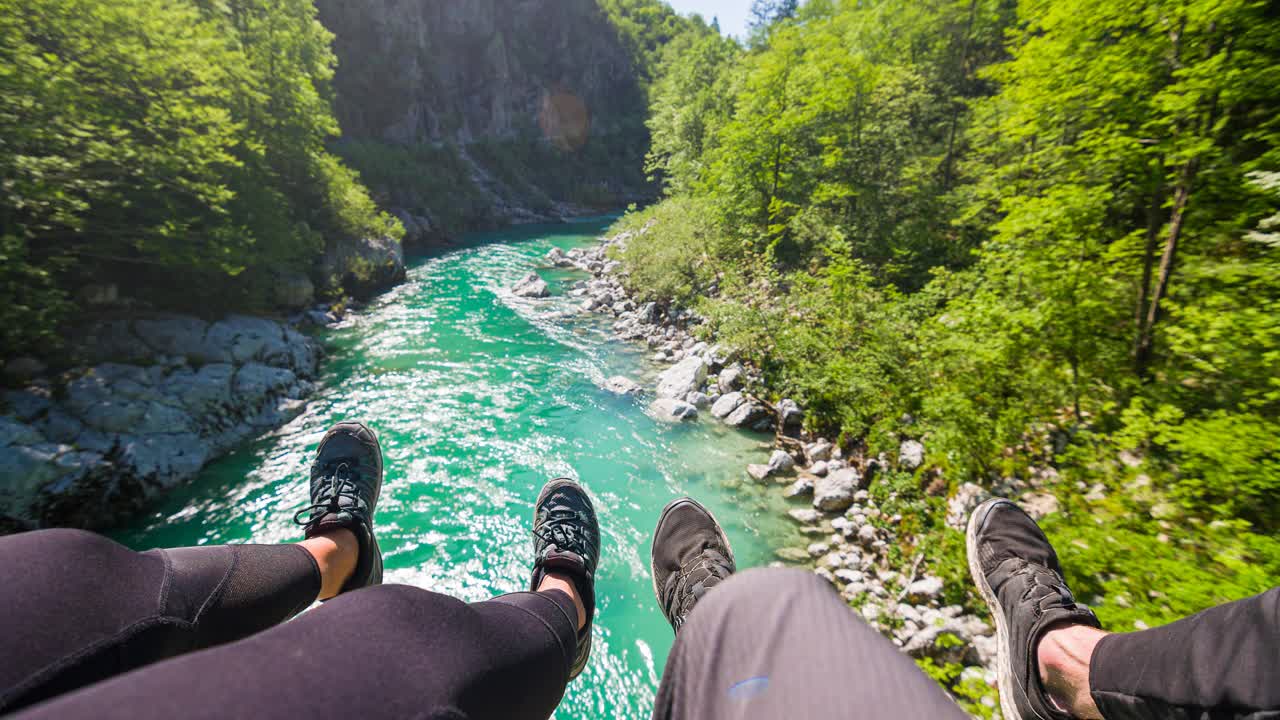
(1004, 673)
(724, 539)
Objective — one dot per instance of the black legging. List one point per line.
(79, 609)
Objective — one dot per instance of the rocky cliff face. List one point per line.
(464, 115)
(450, 71)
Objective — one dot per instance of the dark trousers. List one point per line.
(83, 615)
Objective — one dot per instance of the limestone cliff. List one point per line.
(466, 114)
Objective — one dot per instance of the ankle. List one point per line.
(336, 554)
(1063, 655)
(565, 584)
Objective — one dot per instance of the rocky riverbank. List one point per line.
(849, 537)
(159, 397)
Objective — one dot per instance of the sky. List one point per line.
(732, 13)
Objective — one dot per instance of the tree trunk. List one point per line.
(1182, 195)
(1148, 268)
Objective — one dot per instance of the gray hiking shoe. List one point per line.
(690, 556)
(346, 478)
(1018, 574)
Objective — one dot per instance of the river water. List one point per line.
(478, 397)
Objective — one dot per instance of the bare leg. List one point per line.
(561, 582)
(1063, 656)
(336, 554)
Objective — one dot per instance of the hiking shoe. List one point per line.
(690, 556)
(566, 539)
(346, 477)
(1018, 574)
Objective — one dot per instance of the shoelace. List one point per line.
(1042, 577)
(562, 527)
(341, 486)
(681, 587)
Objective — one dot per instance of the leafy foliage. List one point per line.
(1034, 235)
(172, 138)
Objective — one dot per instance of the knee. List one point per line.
(776, 582)
(66, 542)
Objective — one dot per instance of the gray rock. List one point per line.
(13, 432)
(181, 336)
(727, 403)
(60, 426)
(820, 450)
(255, 381)
(555, 256)
(867, 534)
(910, 454)
(926, 589)
(619, 385)
(799, 488)
(672, 410)
(28, 404)
(531, 286)
(164, 459)
(758, 472)
(730, 378)
(698, 400)
(834, 493)
(819, 468)
(791, 555)
(790, 414)
(747, 414)
(682, 378)
(208, 387)
(781, 462)
(804, 516)
(363, 267)
(23, 470)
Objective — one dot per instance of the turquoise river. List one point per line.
(478, 397)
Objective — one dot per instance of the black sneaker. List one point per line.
(346, 477)
(566, 538)
(1020, 578)
(690, 556)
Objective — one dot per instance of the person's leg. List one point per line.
(1055, 662)
(391, 652)
(386, 652)
(80, 608)
(771, 643)
(1220, 663)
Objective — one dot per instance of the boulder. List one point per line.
(781, 462)
(531, 286)
(698, 400)
(682, 378)
(672, 410)
(799, 488)
(727, 403)
(730, 378)
(820, 450)
(910, 454)
(804, 516)
(758, 472)
(556, 257)
(968, 497)
(748, 415)
(834, 493)
(362, 267)
(926, 589)
(789, 413)
(619, 385)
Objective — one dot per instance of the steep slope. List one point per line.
(467, 115)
